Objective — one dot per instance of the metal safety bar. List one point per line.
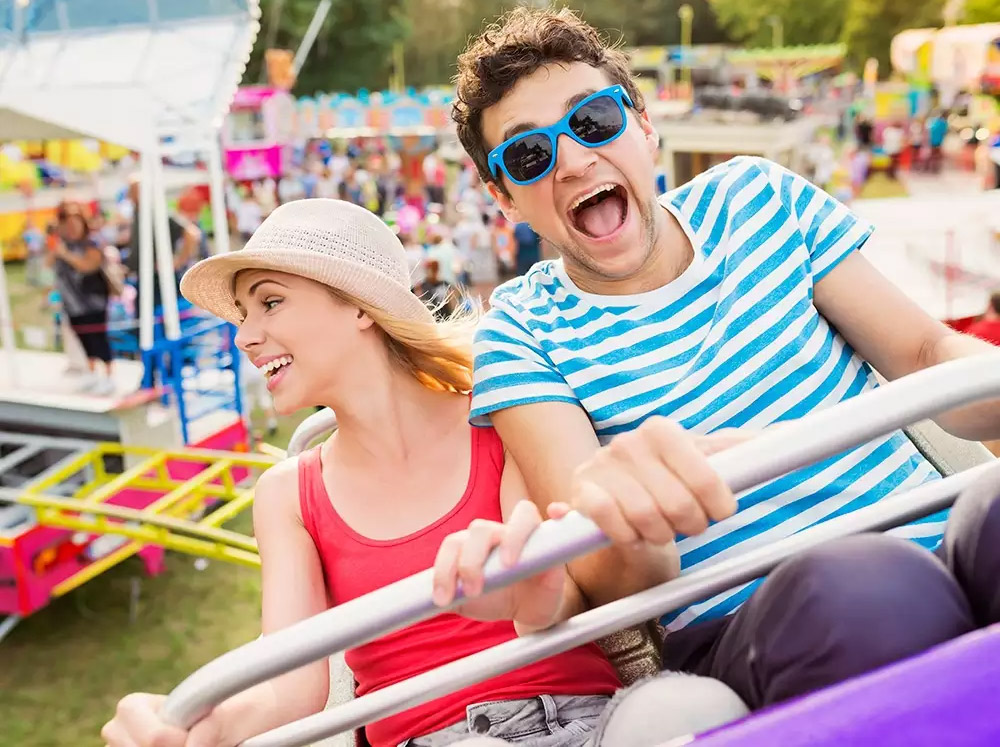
(773, 453)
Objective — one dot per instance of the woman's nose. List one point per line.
(248, 334)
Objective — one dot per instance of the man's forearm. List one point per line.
(618, 572)
(979, 421)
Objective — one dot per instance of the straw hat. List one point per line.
(332, 242)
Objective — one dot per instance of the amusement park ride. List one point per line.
(88, 481)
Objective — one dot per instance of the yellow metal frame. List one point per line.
(166, 522)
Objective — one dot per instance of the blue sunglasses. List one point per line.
(595, 121)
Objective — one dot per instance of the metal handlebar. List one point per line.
(794, 445)
(314, 426)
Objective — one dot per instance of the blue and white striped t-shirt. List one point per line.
(735, 341)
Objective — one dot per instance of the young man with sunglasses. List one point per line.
(735, 301)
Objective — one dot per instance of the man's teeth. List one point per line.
(273, 365)
(592, 193)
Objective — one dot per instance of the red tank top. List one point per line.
(354, 565)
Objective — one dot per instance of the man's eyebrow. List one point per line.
(525, 126)
(574, 100)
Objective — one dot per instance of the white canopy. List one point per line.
(137, 73)
(121, 70)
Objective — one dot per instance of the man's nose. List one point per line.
(572, 159)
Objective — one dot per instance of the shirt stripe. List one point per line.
(735, 341)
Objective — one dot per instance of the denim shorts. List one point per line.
(544, 721)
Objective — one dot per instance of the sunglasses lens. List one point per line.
(528, 158)
(597, 121)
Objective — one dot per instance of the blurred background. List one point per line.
(204, 115)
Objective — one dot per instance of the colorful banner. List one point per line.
(380, 113)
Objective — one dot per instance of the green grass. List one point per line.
(63, 669)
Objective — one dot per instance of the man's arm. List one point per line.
(549, 442)
(897, 337)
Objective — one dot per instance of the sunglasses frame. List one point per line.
(616, 93)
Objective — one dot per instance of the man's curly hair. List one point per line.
(516, 46)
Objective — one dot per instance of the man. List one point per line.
(737, 300)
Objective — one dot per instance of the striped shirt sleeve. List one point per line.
(830, 229)
(511, 368)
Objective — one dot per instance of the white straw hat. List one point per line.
(332, 242)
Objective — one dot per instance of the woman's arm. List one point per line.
(88, 262)
(533, 604)
(512, 491)
(293, 589)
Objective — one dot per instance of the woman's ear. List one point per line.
(364, 321)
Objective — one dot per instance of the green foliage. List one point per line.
(816, 22)
(871, 24)
(982, 11)
(651, 22)
(353, 49)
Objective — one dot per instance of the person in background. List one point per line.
(893, 142)
(437, 292)
(987, 327)
(529, 247)
(937, 130)
(504, 246)
(83, 292)
(248, 214)
(475, 246)
(185, 241)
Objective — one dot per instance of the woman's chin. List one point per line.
(285, 405)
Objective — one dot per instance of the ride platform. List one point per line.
(70, 509)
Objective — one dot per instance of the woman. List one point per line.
(83, 291)
(403, 476)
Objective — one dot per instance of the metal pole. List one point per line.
(217, 187)
(686, 14)
(7, 330)
(599, 622)
(144, 221)
(164, 248)
(773, 453)
(310, 36)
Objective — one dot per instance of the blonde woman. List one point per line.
(321, 296)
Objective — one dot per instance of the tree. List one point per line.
(817, 22)
(651, 22)
(353, 49)
(982, 11)
(871, 24)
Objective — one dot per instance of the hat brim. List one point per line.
(209, 283)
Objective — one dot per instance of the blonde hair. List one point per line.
(438, 353)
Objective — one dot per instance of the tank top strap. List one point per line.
(311, 490)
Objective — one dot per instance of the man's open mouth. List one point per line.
(600, 212)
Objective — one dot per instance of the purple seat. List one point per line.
(947, 696)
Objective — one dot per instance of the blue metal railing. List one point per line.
(180, 365)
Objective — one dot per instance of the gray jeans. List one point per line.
(545, 721)
(651, 712)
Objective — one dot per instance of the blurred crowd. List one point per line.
(458, 242)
